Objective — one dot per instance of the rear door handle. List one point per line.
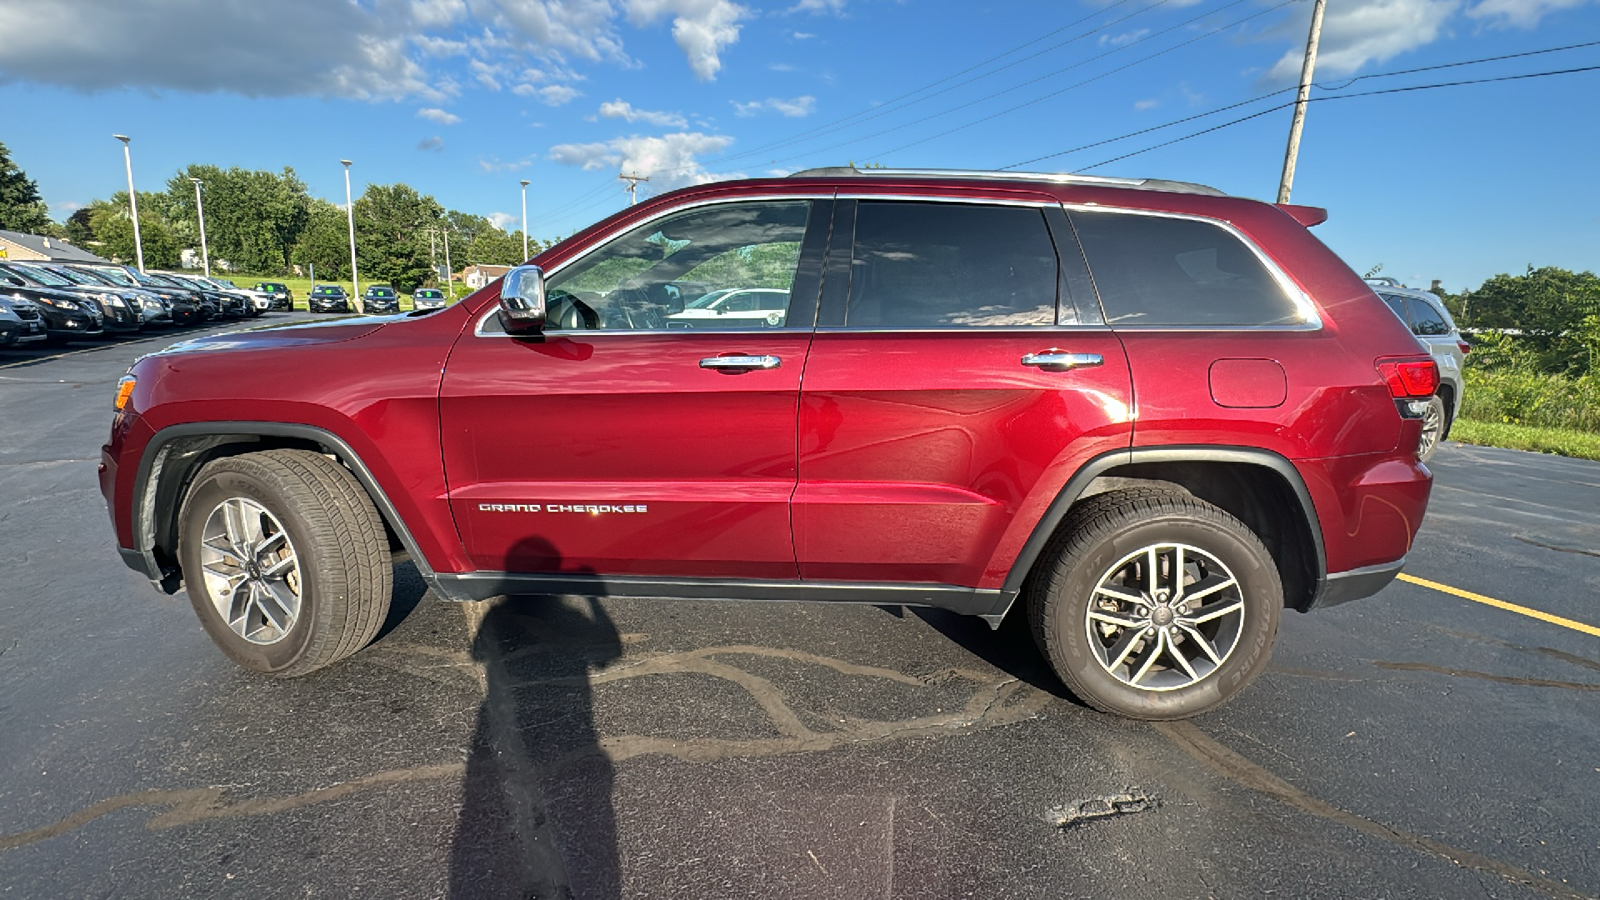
(1054, 360)
(740, 362)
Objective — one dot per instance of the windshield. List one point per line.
(42, 276)
(77, 277)
(117, 276)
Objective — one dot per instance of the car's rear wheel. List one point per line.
(285, 560)
(1435, 423)
(1155, 604)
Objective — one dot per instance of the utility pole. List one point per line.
(1307, 69)
(201, 211)
(449, 272)
(133, 199)
(433, 259)
(633, 185)
(524, 220)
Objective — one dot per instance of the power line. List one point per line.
(1222, 109)
(1399, 90)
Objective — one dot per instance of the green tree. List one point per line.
(114, 227)
(253, 218)
(21, 207)
(392, 222)
(1549, 307)
(324, 242)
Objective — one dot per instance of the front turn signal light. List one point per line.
(125, 390)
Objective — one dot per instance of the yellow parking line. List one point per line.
(1501, 604)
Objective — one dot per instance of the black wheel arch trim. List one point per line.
(150, 507)
(1105, 462)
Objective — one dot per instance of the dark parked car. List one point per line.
(1145, 416)
(230, 305)
(428, 298)
(153, 308)
(119, 313)
(20, 322)
(66, 316)
(380, 299)
(188, 307)
(328, 298)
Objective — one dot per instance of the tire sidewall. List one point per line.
(1259, 585)
(212, 489)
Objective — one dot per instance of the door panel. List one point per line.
(619, 454)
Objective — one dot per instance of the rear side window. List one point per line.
(936, 265)
(1156, 270)
(1398, 304)
(1427, 320)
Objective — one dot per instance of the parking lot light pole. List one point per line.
(133, 199)
(449, 273)
(350, 213)
(524, 220)
(200, 210)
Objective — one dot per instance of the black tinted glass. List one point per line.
(1398, 304)
(1154, 270)
(930, 265)
(1426, 320)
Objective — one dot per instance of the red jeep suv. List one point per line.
(1149, 414)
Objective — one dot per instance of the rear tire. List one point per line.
(1158, 642)
(285, 560)
(1435, 425)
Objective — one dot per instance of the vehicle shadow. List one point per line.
(1010, 648)
(536, 816)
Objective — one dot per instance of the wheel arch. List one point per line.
(1252, 484)
(176, 454)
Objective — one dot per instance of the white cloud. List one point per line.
(1519, 13)
(622, 109)
(1143, 105)
(495, 166)
(434, 114)
(438, 46)
(803, 35)
(434, 143)
(819, 6)
(583, 28)
(61, 209)
(1126, 37)
(798, 108)
(702, 28)
(504, 221)
(1361, 32)
(669, 160)
(550, 94)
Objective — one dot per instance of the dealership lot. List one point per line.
(1419, 743)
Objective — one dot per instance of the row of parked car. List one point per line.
(59, 302)
(377, 299)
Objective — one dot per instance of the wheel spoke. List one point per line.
(1152, 578)
(1117, 593)
(272, 605)
(270, 544)
(1150, 660)
(1176, 653)
(1212, 584)
(1216, 610)
(278, 568)
(1194, 634)
(1100, 615)
(1123, 647)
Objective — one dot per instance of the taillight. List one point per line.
(1465, 347)
(1410, 377)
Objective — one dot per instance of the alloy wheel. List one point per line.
(251, 570)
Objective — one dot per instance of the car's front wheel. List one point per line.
(285, 560)
(1155, 604)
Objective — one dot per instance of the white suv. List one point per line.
(1427, 318)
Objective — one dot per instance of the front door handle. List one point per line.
(740, 362)
(1054, 360)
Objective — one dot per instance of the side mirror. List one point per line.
(522, 305)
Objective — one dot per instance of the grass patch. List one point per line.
(1529, 398)
(1537, 438)
(301, 287)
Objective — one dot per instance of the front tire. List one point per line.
(1155, 605)
(285, 560)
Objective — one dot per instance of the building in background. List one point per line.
(14, 245)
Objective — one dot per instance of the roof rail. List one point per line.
(1147, 184)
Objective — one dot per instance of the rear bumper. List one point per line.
(1356, 584)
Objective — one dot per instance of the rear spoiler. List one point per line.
(1305, 215)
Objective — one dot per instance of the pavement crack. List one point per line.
(1230, 765)
(1559, 549)
(1489, 676)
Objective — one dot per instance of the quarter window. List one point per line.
(718, 268)
(936, 265)
(1426, 320)
(1157, 270)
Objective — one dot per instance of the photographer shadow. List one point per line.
(536, 817)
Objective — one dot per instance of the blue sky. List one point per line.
(463, 98)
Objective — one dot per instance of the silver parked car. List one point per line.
(1431, 323)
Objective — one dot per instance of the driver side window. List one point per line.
(719, 268)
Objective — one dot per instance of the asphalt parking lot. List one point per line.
(1420, 743)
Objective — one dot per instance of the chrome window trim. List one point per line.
(967, 201)
(493, 308)
(968, 329)
(1299, 298)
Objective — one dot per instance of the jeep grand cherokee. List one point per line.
(1143, 414)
